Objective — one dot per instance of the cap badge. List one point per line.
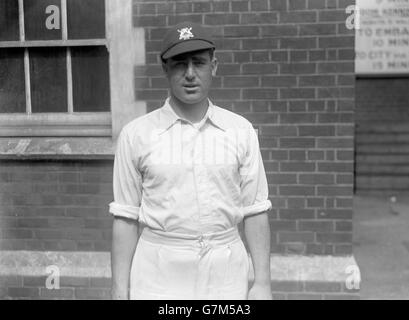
(185, 34)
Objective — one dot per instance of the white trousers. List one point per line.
(182, 267)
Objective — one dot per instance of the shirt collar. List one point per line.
(168, 116)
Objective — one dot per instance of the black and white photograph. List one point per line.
(220, 150)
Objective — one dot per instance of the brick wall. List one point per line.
(288, 67)
(55, 205)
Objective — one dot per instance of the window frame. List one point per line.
(70, 123)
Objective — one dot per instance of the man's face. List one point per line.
(190, 75)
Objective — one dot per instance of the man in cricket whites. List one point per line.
(185, 176)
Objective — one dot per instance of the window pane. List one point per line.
(42, 19)
(12, 83)
(48, 73)
(9, 25)
(86, 19)
(90, 77)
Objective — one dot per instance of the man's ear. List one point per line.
(164, 67)
(215, 63)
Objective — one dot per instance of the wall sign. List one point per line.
(382, 37)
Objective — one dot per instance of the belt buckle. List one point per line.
(205, 247)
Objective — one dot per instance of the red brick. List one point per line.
(222, 6)
(256, 118)
(166, 8)
(343, 249)
(100, 283)
(298, 17)
(241, 31)
(297, 93)
(279, 31)
(334, 191)
(334, 237)
(241, 82)
(345, 226)
(183, 7)
(23, 292)
(257, 44)
(319, 249)
(294, 214)
(259, 94)
(92, 294)
(258, 18)
(316, 4)
(332, 15)
(316, 130)
(298, 55)
(198, 18)
(279, 130)
(318, 226)
(16, 234)
(279, 55)
(150, 21)
(62, 293)
(259, 5)
(315, 202)
(335, 167)
(344, 202)
(298, 43)
(317, 80)
(221, 19)
(317, 55)
(318, 286)
(317, 179)
(278, 5)
(278, 81)
(336, 42)
(304, 237)
(287, 286)
(298, 155)
(335, 67)
(332, 92)
(260, 56)
(230, 94)
(317, 29)
(228, 69)
(239, 6)
(283, 178)
(282, 225)
(297, 143)
(11, 281)
(201, 7)
(295, 203)
(297, 68)
(146, 8)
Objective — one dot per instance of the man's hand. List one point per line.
(260, 292)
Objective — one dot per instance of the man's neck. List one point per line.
(191, 112)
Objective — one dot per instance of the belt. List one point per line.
(203, 242)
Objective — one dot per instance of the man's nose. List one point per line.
(190, 72)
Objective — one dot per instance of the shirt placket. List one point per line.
(200, 174)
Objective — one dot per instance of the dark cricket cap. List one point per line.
(185, 37)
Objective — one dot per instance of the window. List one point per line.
(54, 68)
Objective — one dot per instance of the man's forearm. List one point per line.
(124, 241)
(257, 232)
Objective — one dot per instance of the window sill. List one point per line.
(57, 148)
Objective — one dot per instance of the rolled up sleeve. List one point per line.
(127, 181)
(254, 186)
